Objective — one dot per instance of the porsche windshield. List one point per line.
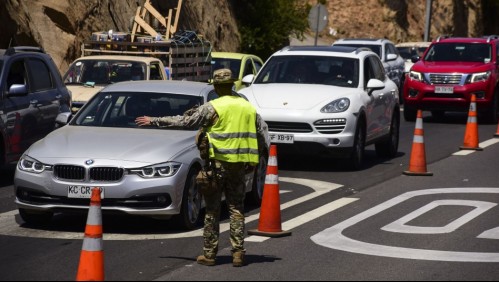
(326, 70)
(121, 109)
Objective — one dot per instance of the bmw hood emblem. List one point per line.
(89, 162)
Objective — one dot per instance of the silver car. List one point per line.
(142, 171)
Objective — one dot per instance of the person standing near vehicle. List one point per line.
(237, 137)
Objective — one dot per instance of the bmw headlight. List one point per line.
(29, 164)
(478, 77)
(157, 171)
(337, 106)
(414, 75)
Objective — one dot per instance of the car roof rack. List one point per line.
(491, 37)
(445, 36)
(14, 50)
(342, 49)
(362, 49)
(363, 39)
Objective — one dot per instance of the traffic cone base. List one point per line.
(270, 212)
(470, 149)
(269, 234)
(410, 173)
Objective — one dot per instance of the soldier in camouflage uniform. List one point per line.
(224, 163)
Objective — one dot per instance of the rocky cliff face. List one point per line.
(402, 20)
(60, 26)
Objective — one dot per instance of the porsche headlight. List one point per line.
(414, 75)
(29, 164)
(478, 77)
(157, 171)
(337, 106)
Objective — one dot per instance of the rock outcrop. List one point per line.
(60, 26)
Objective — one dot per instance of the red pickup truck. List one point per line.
(450, 71)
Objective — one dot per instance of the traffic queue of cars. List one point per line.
(328, 100)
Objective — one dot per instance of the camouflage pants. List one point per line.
(233, 185)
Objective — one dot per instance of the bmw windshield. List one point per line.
(121, 109)
(326, 70)
(459, 52)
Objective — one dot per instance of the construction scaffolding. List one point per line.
(185, 53)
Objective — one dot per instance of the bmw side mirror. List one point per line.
(415, 58)
(373, 85)
(247, 80)
(16, 90)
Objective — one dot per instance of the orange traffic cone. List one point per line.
(471, 135)
(497, 132)
(270, 212)
(417, 166)
(91, 267)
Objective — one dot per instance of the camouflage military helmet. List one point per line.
(223, 76)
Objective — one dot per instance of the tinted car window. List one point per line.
(42, 79)
(326, 70)
(258, 66)
(368, 71)
(104, 71)
(1, 68)
(378, 69)
(17, 74)
(121, 109)
(232, 64)
(459, 52)
(156, 73)
(248, 68)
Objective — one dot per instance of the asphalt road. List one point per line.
(373, 224)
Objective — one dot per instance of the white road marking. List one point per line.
(333, 237)
(9, 226)
(307, 217)
(483, 145)
(400, 226)
(490, 234)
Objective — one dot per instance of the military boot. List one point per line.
(205, 261)
(238, 259)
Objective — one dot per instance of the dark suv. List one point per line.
(450, 71)
(32, 95)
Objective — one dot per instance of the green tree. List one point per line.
(266, 26)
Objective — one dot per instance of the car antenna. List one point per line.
(10, 42)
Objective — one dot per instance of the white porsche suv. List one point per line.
(327, 99)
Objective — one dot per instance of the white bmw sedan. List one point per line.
(141, 171)
(327, 100)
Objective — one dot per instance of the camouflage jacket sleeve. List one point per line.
(262, 131)
(194, 118)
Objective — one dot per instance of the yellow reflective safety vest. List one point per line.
(233, 138)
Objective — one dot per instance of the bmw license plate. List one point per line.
(282, 138)
(82, 192)
(444, 90)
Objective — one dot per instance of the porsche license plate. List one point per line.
(282, 138)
